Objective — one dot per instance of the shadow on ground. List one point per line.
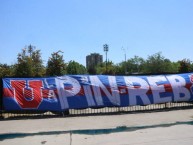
(91, 131)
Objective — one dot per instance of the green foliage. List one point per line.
(110, 69)
(5, 70)
(75, 68)
(191, 68)
(56, 65)
(135, 65)
(92, 70)
(157, 64)
(101, 68)
(120, 68)
(132, 66)
(185, 66)
(29, 63)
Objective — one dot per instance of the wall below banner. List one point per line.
(94, 91)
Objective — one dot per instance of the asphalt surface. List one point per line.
(155, 128)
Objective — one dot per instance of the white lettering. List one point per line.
(157, 87)
(139, 91)
(97, 85)
(178, 85)
(87, 91)
(66, 87)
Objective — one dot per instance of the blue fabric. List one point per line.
(93, 91)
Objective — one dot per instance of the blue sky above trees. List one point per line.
(81, 27)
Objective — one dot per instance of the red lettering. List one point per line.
(27, 98)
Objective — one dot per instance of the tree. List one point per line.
(56, 65)
(157, 64)
(120, 68)
(75, 68)
(131, 66)
(101, 68)
(191, 67)
(5, 70)
(29, 63)
(185, 66)
(135, 65)
(175, 67)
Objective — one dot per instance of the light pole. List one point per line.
(125, 59)
(106, 49)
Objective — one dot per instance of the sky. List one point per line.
(81, 27)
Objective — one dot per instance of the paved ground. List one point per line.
(155, 128)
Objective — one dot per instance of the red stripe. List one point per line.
(7, 92)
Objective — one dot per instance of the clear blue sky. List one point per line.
(81, 27)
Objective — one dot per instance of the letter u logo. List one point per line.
(27, 97)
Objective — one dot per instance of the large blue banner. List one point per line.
(93, 91)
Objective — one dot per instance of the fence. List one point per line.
(99, 111)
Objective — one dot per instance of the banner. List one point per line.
(93, 91)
